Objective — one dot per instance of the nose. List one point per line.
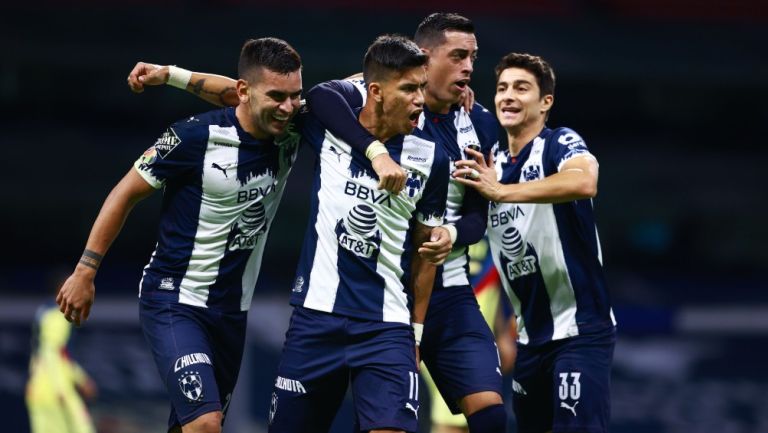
(287, 106)
(419, 99)
(469, 64)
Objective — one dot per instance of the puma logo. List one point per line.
(218, 167)
(564, 405)
(336, 152)
(415, 410)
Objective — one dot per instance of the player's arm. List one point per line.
(422, 281)
(332, 103)
(215, 89)
(576, 180)
(76, 295)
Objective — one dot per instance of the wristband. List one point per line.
(375, 149)
(452, 231)
(418, 330)
(178, 77)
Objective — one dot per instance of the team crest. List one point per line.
(413, 183)
(191, 385)
(531, 172)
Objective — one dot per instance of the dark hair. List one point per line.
(545, 76)
(270, 53)
(391, 53)
(431, 31)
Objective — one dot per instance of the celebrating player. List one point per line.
(223, 175)
(545, 245)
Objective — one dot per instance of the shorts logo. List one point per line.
(192, 358)
(191, 385)
(272, 409)
(564, 405)
(415, 410)
(517, 388)
(298, 285)
(167, 284)
(291, 385)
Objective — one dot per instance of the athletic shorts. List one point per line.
(197, 352)
(458, 348)
(564, 385)
(324, 353)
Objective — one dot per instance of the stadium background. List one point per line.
(669, 96)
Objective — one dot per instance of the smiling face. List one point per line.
(402, 99)
(519, 103)
(270, 100)
(450, 67)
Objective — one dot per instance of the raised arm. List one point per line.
(76, 295)
(333, 103)
(215, 89)
(576, 180)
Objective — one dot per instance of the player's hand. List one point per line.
(479, 174)
(391, 175)
(147, 74)
(418, 359)
(467, 99)
(76, 297)
(88, 389)
(439, 246)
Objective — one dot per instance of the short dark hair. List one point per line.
(545, 76)
(431, 31)
(391, 53)
(270, 53)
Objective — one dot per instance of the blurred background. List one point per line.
(670, 97)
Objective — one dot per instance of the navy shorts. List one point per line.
(197, 352)
(458, 348)
(564, 385)
(324, 353)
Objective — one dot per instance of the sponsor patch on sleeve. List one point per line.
(167, 142)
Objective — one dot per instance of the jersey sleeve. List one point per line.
(430, 209)
(333, 104)
(470, 228)
(174, 153)
(565, 145)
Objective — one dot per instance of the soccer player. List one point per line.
(352, 322)
(457, 347)
(55, 379)
(222, 174)
(546, 247)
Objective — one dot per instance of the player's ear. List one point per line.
(375, 90)
(547, 102)
(243, 91)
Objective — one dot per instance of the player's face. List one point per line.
(274, 98)
(518, 100)
(403, 100)
(450, 66)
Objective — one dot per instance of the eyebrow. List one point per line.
(278, 94)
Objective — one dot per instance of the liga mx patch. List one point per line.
(191, 385)
(167, 142)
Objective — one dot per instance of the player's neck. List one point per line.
(372, 118)
(519, 137)
(243, 116)
(435, 105)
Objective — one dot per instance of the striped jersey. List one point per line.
(221, 188)
(357, 247)
(457, 130)
(548, 255)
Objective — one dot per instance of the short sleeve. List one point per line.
(173, 154)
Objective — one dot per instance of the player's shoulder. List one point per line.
(482, 115)
(564, 136)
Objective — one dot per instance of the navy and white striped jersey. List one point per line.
(454, 131)
(548, 255)
(221, 190)
(465, 207)
(357, 248)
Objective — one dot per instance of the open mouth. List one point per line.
(414, 118)
(281, 118)
(511, 110)
(462, 84)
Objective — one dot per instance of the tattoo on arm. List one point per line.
(91, 259)
(198, 88)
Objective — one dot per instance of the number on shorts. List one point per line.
(573, 390)
(413, 392)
